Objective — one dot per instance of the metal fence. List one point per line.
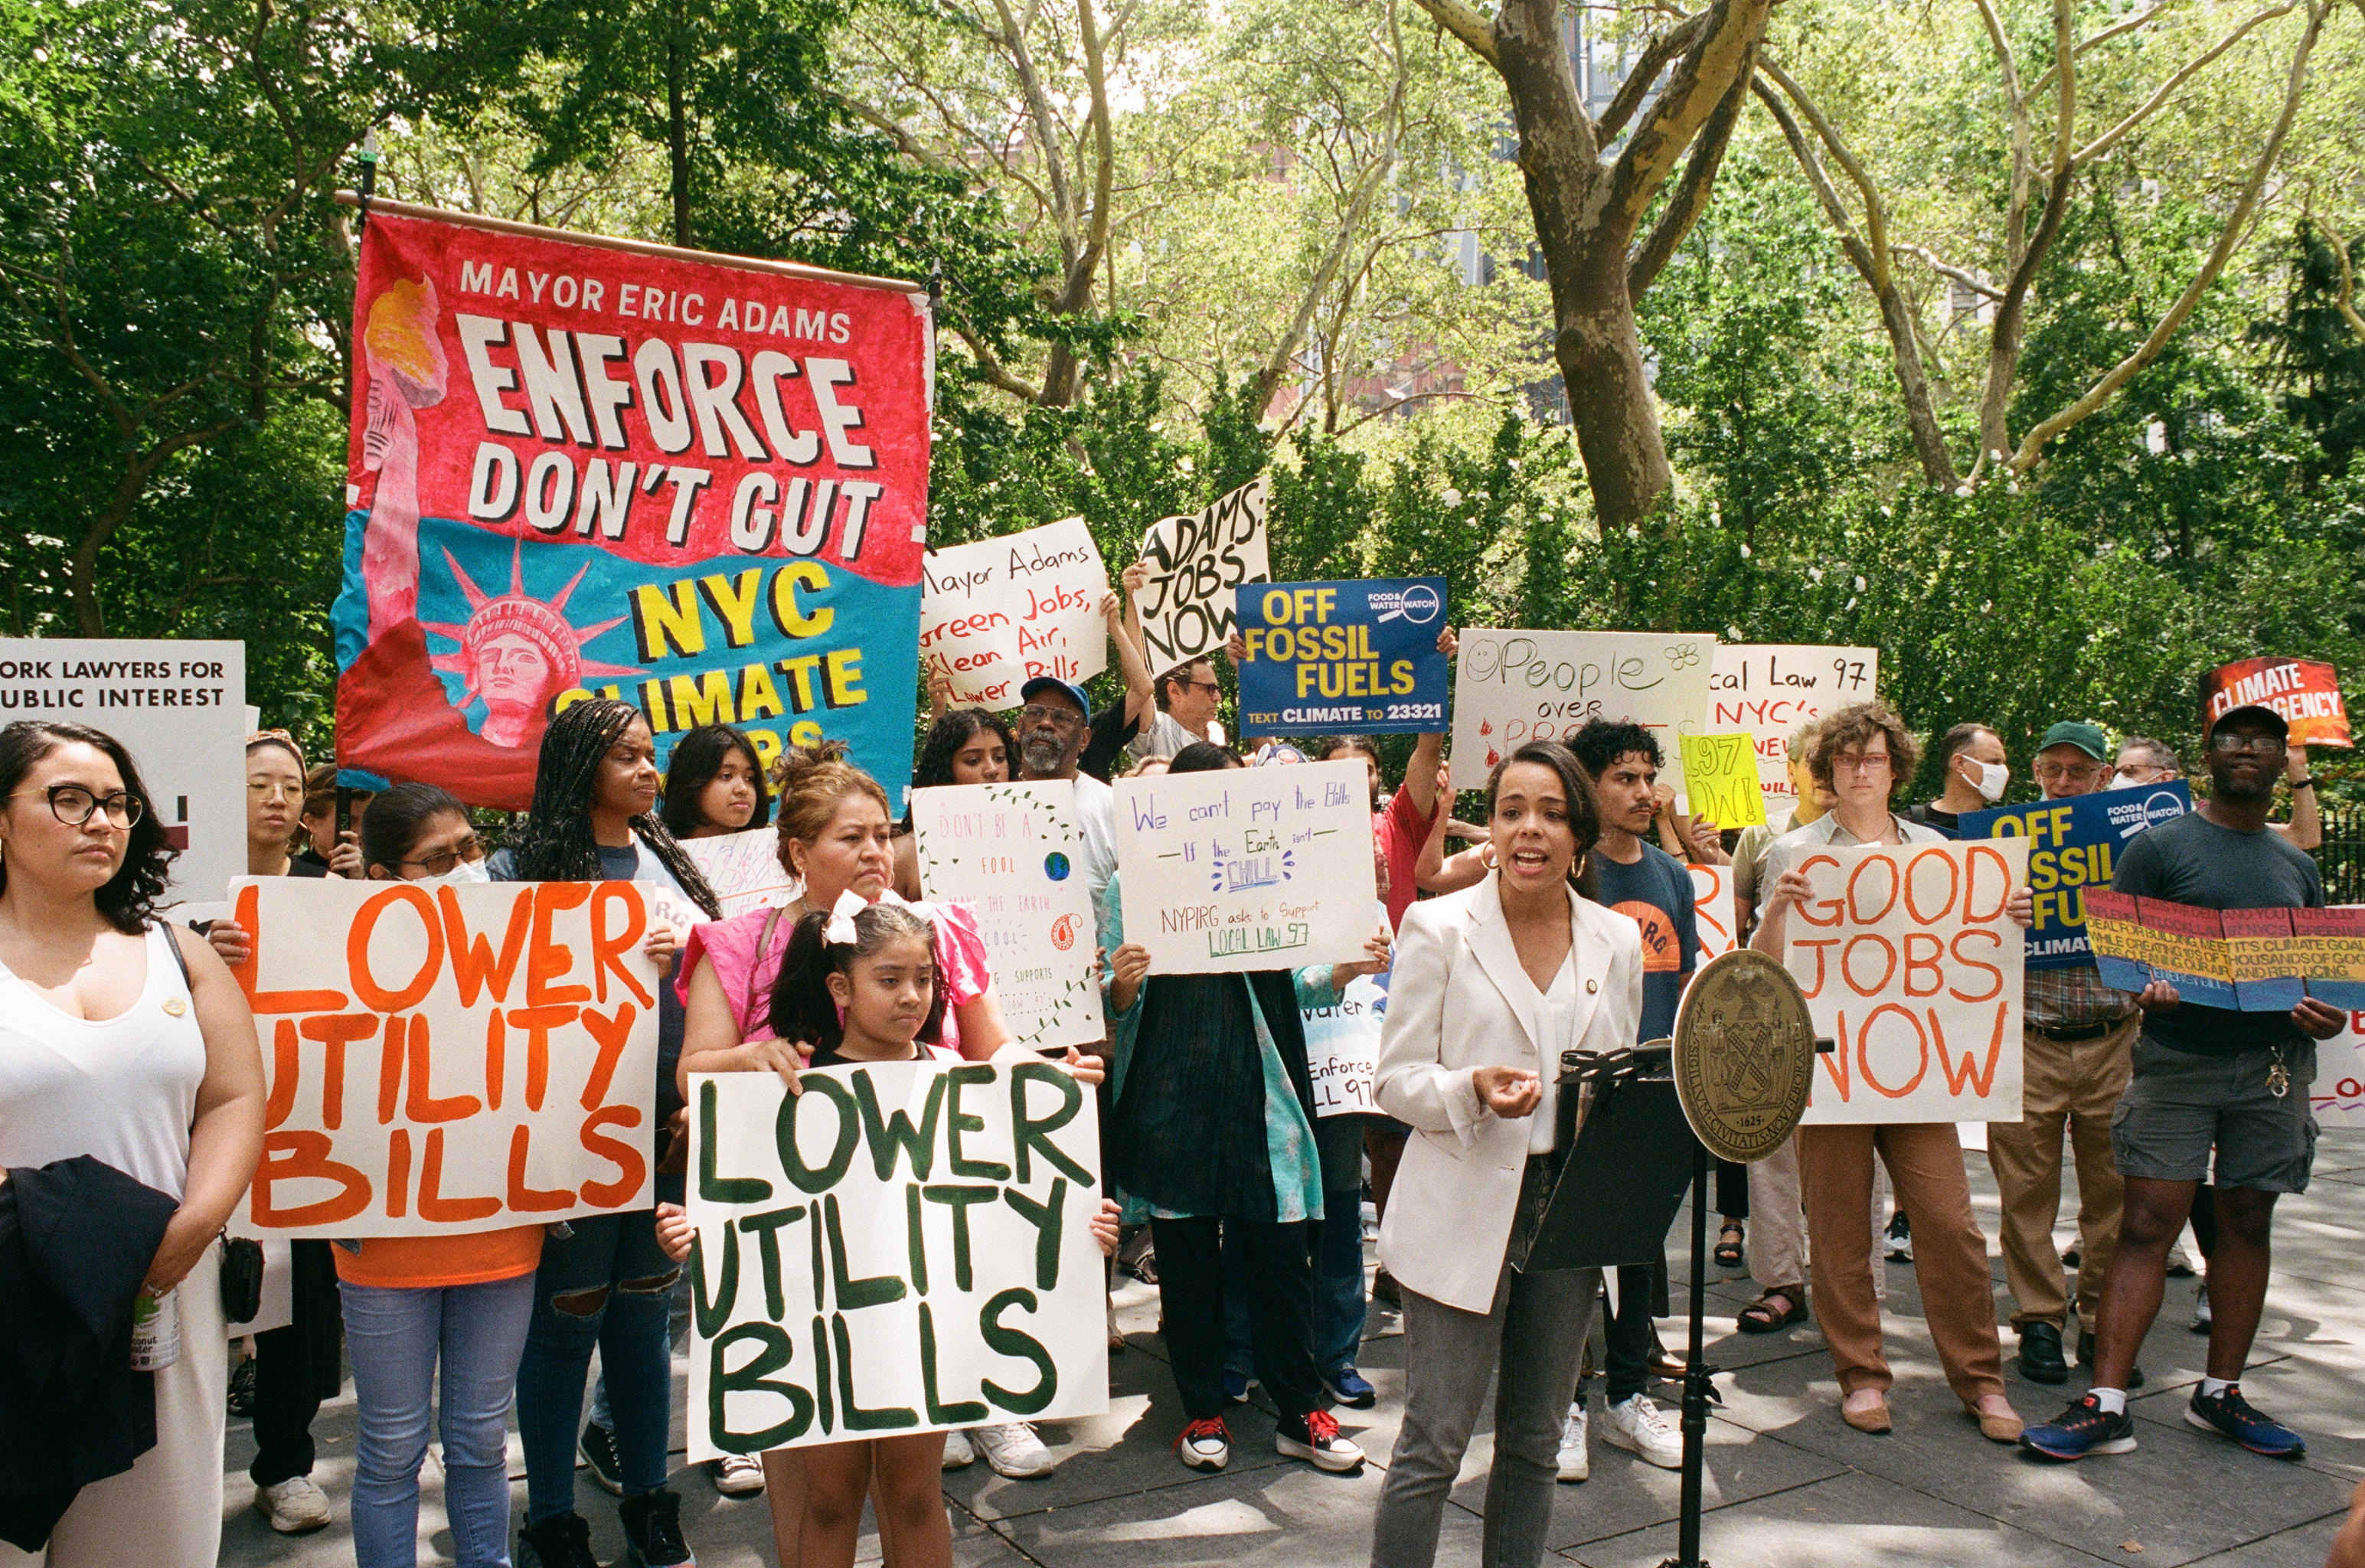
(2341, 856)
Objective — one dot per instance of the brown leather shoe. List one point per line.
(2003, 1429)
(1874, 1420)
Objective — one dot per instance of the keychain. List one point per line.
(2278, 1077)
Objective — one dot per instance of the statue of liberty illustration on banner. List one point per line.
(590, 467)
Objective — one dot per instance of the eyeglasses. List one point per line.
(1037, 713)
(2265, 746)
(440, 863)
(2069, 771)
(1867, 763)
(264, 789)
(73, 805)
(1215, 686)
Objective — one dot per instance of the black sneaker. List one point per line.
(242, 1388)
(561, 1540)
(598, 1450)
(2231, 1414)
(652, 1532)
(1315, 1437)
(2084, 1429)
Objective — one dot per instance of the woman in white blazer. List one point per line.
(1491, 985)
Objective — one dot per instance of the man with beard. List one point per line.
(1052, 729)
(2204, 1077)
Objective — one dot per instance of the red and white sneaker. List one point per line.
(1205, 1445)
(1316, 1438)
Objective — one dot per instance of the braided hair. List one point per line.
(557, 845)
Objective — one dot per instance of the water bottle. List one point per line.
(155, 1331)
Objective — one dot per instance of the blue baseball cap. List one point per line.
(1067, 688)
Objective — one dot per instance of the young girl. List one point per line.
(715, 784)
(608, 1283)
(413, 1302)
(859, 983)
(968, 745)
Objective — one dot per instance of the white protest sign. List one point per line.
(1195, 564)
(1909, 964)
(179, 709)
(2337, 1095)
(901, 1247)
(448, 1059)
(1770, 688)
(1512, 687)
(1247, 868)
(1342, 1047)
(1013, 855)
(997, 613)
(1712, 909)
(743, 870)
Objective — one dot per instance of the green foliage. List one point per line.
(2318, 353)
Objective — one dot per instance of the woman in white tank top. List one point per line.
(112, 1046)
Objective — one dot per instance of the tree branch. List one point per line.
(1947, 270)
(1727, 45)
(2115, 30)
(2346, 302)
(1464, 22)
(2109, 137)
(2095, 397)
(1691, 195)
(1875, 216)
(1653, 60)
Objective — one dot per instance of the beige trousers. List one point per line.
(1776, 1242)
(2066, 1087)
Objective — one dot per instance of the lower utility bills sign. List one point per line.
(897, 1246)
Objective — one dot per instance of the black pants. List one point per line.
(295, 1367)
(1281, 1310)
(1732, 1190)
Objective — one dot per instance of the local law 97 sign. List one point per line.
(1343, 657)
(901, 1247)
(1909, 964)
(448, 1059)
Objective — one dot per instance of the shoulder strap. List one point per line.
(179, 957)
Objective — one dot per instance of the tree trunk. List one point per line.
(678, 125)
(1921, 419)
(1610, 398)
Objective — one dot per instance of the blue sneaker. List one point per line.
(1352, 1389)
(2084, 1429)
(1236, 1386)
(2231, 1414)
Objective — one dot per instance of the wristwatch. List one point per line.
(2307, 783)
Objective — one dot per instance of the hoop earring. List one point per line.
(1486, 854)
(1582, 861)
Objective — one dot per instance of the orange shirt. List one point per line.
(434, 1262)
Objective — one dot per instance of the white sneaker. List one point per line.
(736, 1474)
(293, 1506)
(1637, 1425)
(2202, 1321)
(1013, 1450)
(958, 1454)
(1576, 1456)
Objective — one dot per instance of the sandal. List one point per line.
(1728, 1253)
(1761, 1316)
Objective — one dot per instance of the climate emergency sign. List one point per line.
(448, 1059)
(1911, 965)
(903, 1247)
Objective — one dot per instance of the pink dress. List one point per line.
(747, 976)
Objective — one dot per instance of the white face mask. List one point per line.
(464, 872)
(1992, 778)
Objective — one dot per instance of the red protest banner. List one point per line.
(448, 1059)
(585, 466)
(1909, 962)
(2305, 693)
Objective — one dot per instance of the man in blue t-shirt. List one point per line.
(2207, 1079)
(1650, 887)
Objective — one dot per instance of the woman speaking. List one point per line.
(1491, 985)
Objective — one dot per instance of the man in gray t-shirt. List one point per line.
(2207, 1079)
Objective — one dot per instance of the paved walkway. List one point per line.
(1788, 1483)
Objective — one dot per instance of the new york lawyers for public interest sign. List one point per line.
(1343, 657)
(900, 1247)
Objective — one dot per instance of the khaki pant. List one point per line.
(1950, 1255)
(1775, 1241)
(2071, 1086)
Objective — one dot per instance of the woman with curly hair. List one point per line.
(968, 745)
(122, 1038)
(608, 1281)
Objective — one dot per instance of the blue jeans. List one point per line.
(1338, 1303)
(395, 1337)
(609, 1284)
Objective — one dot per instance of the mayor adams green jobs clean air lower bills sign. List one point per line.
(898, 1246)
(697, 483)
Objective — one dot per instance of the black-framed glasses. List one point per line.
(440, 863)
(2266, 746)
(73, 805)
(1214, 686)
(1037, 713)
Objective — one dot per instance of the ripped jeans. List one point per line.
(609, 1284)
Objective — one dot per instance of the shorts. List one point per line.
(2179, 1104)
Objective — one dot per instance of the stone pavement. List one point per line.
(1788, 1483)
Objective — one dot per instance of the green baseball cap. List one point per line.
(2084, 737)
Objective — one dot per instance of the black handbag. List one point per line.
(241, 1278)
